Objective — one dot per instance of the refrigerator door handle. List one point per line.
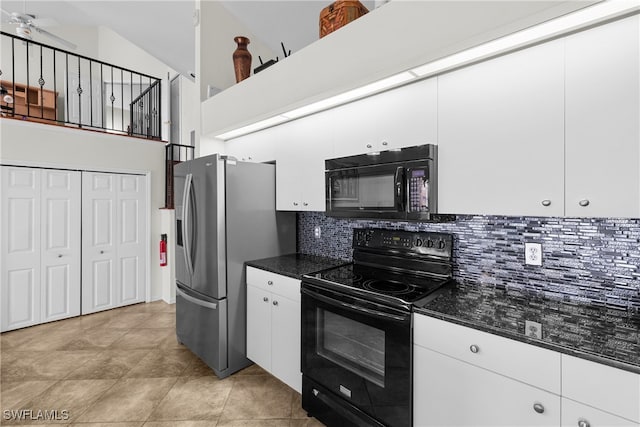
(186, 202)
(206, 304)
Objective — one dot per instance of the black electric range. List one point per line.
(356, 327)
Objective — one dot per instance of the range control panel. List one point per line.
(438, 244)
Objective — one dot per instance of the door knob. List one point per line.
(275, 303)
(583, 423)
(101, 252)
(474, 348)
(546, 202)
(584, 203)
(59, 255)
(265, 299)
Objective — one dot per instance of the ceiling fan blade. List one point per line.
(53, 36)
(44, 22)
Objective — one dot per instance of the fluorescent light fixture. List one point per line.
(546, 30)
(263, 124)
(351, 95)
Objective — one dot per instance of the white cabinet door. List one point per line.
(131, 239)
(401, 117)
(448, 392)
(99, 257)
(501, 135)
(20, 256)
(259, 326)
(603, 121)
(285, 344)
(573, 413)
(61, 246)
(303, 147)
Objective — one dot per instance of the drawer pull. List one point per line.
(270, 283)
(584, 203)
(538, 408)
(275, 303)
(583, 423)
(265, 299)
(546, 202)
(474, 348)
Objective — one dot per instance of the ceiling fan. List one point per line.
(27, 23)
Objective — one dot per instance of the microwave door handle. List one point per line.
(399, 197)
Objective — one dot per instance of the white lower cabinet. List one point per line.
(40, 249)
(465, 377)
(449, 392)
(273, 325)
(576, 414)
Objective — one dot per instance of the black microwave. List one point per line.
(394, 184)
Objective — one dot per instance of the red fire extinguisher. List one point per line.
(163, 250)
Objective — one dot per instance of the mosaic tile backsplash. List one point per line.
(594, 261)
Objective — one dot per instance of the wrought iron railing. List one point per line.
(48, 84)
(174, 154)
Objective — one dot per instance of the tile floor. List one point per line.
(124, 368)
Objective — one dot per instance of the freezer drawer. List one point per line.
(201, 325)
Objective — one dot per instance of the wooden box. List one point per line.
(340, 13)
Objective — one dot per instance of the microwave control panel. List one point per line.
(439, 244)
(418, 189)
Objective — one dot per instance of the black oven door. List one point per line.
(358, 351)
(366, 191)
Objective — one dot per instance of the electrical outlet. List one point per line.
(533, 329)
(533, 253)
(316, 232)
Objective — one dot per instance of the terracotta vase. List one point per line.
(241, 59)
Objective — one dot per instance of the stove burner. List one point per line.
(386, 287)
(344, 276)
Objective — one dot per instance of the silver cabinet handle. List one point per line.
(583, 423)
(101, 252)
(546, 202)
(250, 158)
(270, 283)
(305, 204)
(368, 145)
(474, 348)
(538, 408)
(265, 299)
(584, 203)
(385, 143)
(295, 203)
(59, 255)
(275, 303)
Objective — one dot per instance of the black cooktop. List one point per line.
(378, 284)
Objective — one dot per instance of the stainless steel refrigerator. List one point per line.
(225, 215)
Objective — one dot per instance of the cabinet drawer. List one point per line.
(524, 362)
(609, 389)
(276, 283)
(573, 413)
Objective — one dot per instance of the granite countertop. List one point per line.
(604, 335)
(296, 265)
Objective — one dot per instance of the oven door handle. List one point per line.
(353, 307)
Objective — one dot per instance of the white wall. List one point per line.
(215, 46)
(34, 144)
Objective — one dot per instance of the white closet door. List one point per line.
(99, 257)
(60, 250)
(20, 243)
(131, 240)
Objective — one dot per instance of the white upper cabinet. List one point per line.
(303, 146)
(603, 121)
(401, 117)
(258, 147)
(501, 135)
